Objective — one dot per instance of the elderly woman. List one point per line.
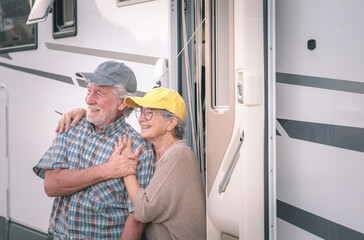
(173, 204)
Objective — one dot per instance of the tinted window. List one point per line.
(15, 35)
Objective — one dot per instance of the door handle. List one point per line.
(225, 179)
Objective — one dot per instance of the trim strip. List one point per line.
(103, 53)
(57, 77)
(318, 82)
(4, 228)
(20, 231)
(314, 224)
(351, 138)
(5, 55)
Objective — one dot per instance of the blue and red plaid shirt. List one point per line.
(98, 211)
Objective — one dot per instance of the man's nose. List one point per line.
(90, 98)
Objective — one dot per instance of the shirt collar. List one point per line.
(115, 126)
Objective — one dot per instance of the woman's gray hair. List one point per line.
(121, 93)
(180, 128)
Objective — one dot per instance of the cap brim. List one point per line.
(140, 102)
(94, 79)
(133, 101)
(79, 75)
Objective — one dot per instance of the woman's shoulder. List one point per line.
(180, 149)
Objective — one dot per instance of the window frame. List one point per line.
(30, 44)
(65, 29)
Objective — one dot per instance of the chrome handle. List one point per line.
(225, 180)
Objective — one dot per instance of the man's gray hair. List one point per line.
(180, 128)
(121, 93)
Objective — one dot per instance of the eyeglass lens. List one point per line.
(147, 113)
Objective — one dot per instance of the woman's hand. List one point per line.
(123, 161)
(65, 121)
(130, 181)
(125, 142)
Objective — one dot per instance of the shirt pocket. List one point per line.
(111, 191)
(108, 202)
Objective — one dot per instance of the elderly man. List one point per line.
(81, 172)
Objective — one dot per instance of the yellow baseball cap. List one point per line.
(161, 98)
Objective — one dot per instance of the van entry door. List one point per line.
(237, 121)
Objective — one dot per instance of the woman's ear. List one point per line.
(172, 123)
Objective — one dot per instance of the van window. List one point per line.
(220, 53)
(65, 18)
(15, 35)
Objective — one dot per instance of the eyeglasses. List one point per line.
(146, 112)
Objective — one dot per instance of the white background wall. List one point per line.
(141, 29)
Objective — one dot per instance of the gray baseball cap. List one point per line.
(112, 73)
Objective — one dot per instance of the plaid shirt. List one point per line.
(99, 211)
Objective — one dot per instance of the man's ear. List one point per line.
(172, 123)
(122, 105)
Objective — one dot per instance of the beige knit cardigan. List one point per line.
(173, 204)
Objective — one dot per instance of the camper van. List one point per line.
(274, 92)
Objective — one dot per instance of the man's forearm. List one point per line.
(62, 182)
(133, 230)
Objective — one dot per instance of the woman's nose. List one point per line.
(141, 118)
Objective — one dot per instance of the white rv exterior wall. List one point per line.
(141, 29)
(320, 179)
